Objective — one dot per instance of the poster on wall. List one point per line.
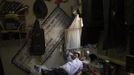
(22, 58)
(54, 27)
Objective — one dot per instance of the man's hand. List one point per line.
(37, 68)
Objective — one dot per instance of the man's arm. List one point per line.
(69, 56)
(39, 68)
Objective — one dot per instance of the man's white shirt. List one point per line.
(73, 66)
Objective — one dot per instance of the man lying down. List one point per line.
(72, 67)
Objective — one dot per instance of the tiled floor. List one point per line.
(9, 48)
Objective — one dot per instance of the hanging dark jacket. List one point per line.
(40, 9)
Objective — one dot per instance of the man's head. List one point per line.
(76, 55)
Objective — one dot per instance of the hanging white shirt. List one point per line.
(73, 66)
(73, 34)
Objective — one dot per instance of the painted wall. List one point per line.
(30, 18)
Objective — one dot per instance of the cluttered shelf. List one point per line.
(12, 19)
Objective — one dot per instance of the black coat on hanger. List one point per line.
(40, 9)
